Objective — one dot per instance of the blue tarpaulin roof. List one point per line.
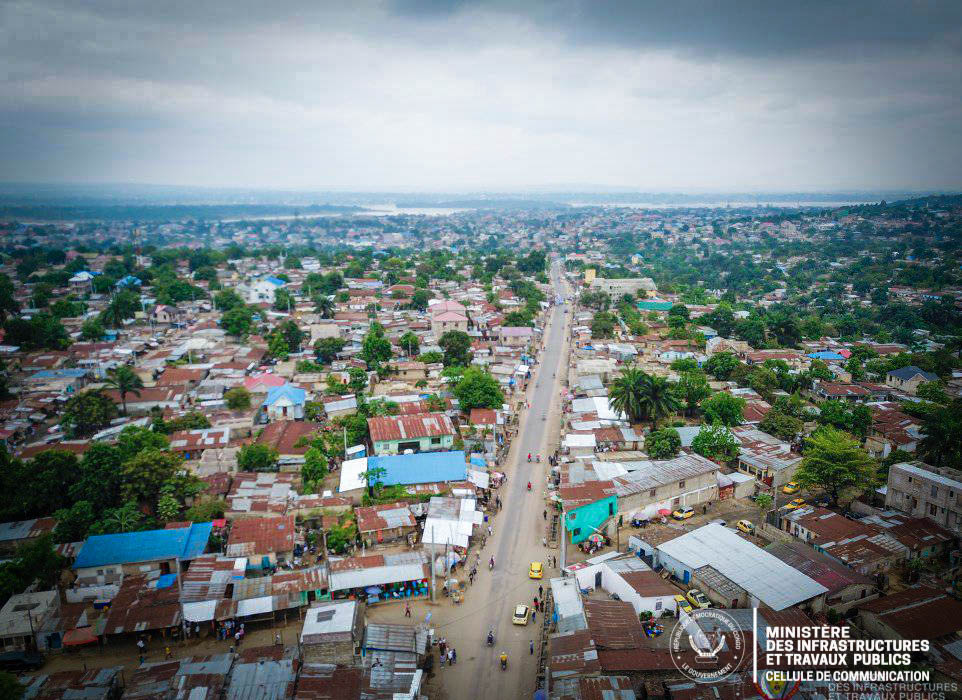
(166, 580)
(420, 468)
(296, 395)
(825, 355)
(150, 545)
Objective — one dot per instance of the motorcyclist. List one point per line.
(491, 562)
(529, 486)
(504, 660)
(529, 456)
(490, 637)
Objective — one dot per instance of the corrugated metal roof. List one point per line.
(264, 680)
(151, 545)
(421, 468)
(764, 576)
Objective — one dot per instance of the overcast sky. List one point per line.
(426, 94)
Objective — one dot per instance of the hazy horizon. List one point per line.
(488, 96)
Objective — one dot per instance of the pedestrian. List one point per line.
(544, 541)
(140, 644)
(451, 657)
(196, 630)
(531, 647)
(407, 610)
(237, 637)
(277, 638)
(534, 615)
(545, 513)
(141, 659)
(166, 652)
(231, 650)
(541, 591)
(490, 531)
(535, 603)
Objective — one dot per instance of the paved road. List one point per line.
(518, 530)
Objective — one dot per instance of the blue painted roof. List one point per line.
(296, 395)
(825, 355)
(60, 373)
(421, 468)
(275, 281)
(128, 281)
(150, 545)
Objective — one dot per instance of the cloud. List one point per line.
(458, 95)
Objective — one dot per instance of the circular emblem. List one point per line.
(707, 645)
(771, 685)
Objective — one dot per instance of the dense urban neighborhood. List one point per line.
(483, 452)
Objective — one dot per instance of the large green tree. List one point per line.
(478, 389)
(144, 474)
(87, 412)
(724, 409)
(716, 442)
(457, 348)
(834, 461)
(941, 445)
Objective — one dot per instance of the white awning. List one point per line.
(202, 611)
(255, 606)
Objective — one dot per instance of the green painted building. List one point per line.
(587, 507)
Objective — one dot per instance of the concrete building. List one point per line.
(422, 432)
(920, 490)
(332, 633)
(909, 378)
(645, 487)
(615, 288)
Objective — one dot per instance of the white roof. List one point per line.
(579, 440)
(327, 619)
(351, 470)
(201, 611)
(763, 575)
(595, 404)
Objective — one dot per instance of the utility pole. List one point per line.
(432, 564)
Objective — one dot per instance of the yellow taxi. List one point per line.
(793, 504)
(521, 615)
(790, 488)
(683, 513)
(682, 603)
(698, 599)
(536, 570)
(746, 526)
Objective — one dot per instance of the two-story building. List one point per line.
(921, 490)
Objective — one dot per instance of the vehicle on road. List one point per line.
(682, 603)
(504, 661)
(746, 526)
(718, 521)
(521, 614)
(790, 488)
(536, 570)
(698, 599)
(683, 513)
(793, 504)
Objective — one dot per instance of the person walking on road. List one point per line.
(407, 610)
(531, 647)
(545, 513)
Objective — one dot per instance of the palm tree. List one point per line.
(626, 393)
(125, 381)
(324, 306)
(658, 398)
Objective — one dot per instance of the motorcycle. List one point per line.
(504, 662)
(529, 486)
(490, 639)
(538, 460)
(491, 564)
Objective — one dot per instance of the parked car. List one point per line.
(698, 599)
(521, 615)
(681, 602)
(793, 504)
(536, 570)
(790, 488)
(746, 526)
(683, 513)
